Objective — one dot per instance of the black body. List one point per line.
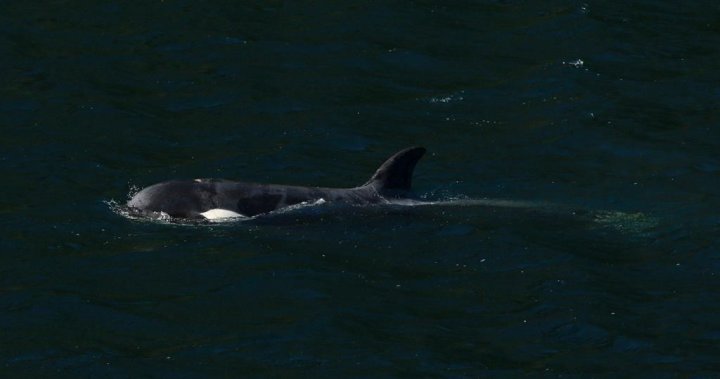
(191, 198)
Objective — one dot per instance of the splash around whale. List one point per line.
(211, 199)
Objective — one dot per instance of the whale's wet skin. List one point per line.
(221, 200)
(211, 199)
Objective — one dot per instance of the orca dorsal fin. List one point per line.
(396, 173)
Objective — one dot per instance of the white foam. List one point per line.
(218, 213)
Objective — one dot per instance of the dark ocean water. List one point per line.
(595, 122)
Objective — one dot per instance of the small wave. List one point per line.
(454, 97)
(162, 217)
(159, 217)
(636, 223)
(127, 212)
(500, 203)
(577, 63)
(629, 223)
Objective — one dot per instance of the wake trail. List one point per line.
(634, 223)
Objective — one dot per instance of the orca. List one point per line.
(202, 199)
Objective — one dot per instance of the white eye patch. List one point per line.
(217, 213)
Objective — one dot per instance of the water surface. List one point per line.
(582, 137)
